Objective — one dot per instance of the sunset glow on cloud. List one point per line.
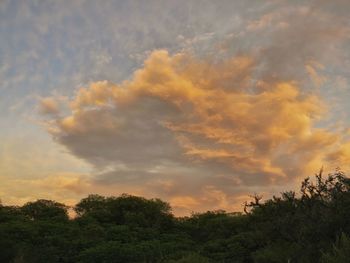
(217, 122)
(202, 116)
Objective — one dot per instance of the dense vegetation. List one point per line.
(310, 226)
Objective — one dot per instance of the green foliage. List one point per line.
(340, 252)
(125, 210)
(45, 210)
(289, 228)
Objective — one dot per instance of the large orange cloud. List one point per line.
(179, 119)
(203, 130)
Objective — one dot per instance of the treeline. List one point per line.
(310, 226)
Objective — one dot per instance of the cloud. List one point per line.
(341, 155)
(62, 187)
(32, 169)
(316, 78)
(293, 36)
(237, 107)
(181, 119)
(48, 106)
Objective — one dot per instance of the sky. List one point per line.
(199, 103)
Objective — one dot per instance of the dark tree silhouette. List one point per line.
(310, 226)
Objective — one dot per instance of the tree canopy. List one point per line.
(308, 226)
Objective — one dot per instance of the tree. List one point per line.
(340, 252)
(290, 227)
(125, 209)
(45, 210)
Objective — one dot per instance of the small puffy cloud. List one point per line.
(49, 106)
